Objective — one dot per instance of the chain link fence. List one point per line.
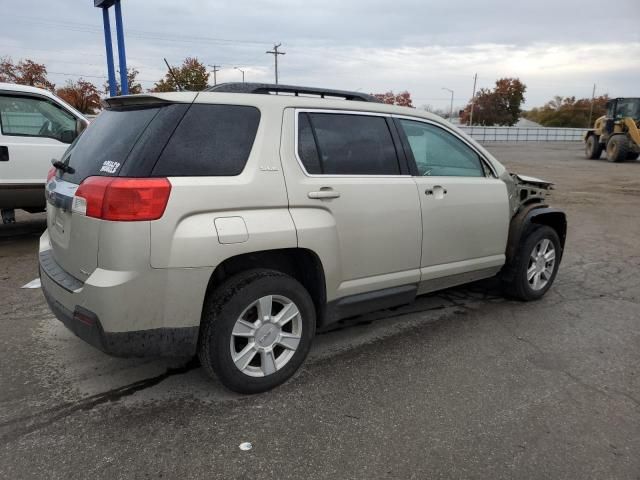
(524, 134)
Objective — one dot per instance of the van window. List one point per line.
(438, 153)
(211, 140)
(27, 116)
(346, 144)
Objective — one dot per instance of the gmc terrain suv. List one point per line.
(233, 223)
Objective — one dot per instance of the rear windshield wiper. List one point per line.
(63, 167)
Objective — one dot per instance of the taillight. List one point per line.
(122, 199)
(51, 174)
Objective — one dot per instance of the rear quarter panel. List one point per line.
(186, 235)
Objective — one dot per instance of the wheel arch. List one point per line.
(300, 263)
(536, 214)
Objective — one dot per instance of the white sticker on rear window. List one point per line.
(110, 167)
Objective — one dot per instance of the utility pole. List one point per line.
(241, 71)
(451, 109)
(275, 54)
(593, 96)
(473, 98)
(216, 69)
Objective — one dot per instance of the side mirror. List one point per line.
(68, 136)
(80, 126)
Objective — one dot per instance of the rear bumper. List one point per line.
(85, 324)
(154, 312)
(26, 196)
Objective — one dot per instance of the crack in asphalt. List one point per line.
(47, 417)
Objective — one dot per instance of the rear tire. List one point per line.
(243, 342)
(617, 148)
(632, 155)
(593, 149)
(535, 265)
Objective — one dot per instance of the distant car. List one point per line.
(35, 127)
(231, 225)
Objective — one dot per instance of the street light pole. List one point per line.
(241, 71)
(451, 108)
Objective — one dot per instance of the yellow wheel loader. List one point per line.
(617, 132)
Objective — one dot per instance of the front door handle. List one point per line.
(4, 154)
(324, 193)
(437, 192)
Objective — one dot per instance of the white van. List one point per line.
(35, 127)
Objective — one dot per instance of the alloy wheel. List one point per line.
(266, 335)
(542, 261)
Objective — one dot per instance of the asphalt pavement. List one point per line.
(461, 384)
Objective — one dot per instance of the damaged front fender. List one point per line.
(525, 190)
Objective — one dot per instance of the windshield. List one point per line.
(628, 107)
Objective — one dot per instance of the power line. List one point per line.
(159, 36)
(275, 54)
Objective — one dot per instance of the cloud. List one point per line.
(422, 46)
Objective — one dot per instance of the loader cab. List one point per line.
(620, 108)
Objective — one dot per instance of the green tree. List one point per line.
(24, 72)
(500, 106)
(134, 85)
(568, 112)
(192, 75)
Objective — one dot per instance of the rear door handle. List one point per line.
(323, 193)
(4, 154)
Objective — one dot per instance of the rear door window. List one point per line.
(211, 140)
(346, 144)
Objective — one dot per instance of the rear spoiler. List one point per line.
(147, 99)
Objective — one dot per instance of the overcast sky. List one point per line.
(559, 47)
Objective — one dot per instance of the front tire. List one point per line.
(617, 148)
(592, 149)
(536, 264)
(256, 330)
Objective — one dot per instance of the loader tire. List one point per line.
(617, 148)
(632, 155)
(592, 149)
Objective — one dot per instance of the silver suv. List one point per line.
(233, 223)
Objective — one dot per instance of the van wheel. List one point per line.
(592, 149)
(256, 330)
(536, 264)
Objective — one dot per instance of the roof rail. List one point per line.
(271, 88)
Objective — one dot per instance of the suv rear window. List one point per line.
(104, 146)
(163, 140)
(211, 140)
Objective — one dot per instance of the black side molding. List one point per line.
(362, 303)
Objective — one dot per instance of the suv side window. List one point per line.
(346, 144)
(211, 140)
(35, 117)
(438, 153)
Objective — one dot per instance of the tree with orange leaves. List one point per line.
(81, 95)
(402, 99)
(24, 72)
